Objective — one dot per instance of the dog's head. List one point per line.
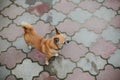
(59, 39)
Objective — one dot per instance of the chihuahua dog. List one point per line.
(48, 46)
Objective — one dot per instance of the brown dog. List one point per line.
(48, 46)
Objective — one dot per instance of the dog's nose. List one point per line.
(67, 42)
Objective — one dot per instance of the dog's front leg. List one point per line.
(47, 59)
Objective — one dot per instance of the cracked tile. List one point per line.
(26, 17)
(4, 4)
(60, 67)
(45, 76)
(36, 55)
(11, 57)
(95, 24)
(75, 1)
(79, 74)
(114, 4)
(106, 14)
(79, 15)
(116, 21)
(109, 74)
(39, 8)
(13, 11)
(56, 17)
(92, 63)
(3, 72)
(115, 58)
(27, 70)
(21, 44)
(4, 22)
(4, 44)
(42, 28)
(82, 37)
(69, 26)
(11, 77)
(74, 55)
(103, 48)
(12, 32)
(89, 5)
(111, 34)
(22, 3)
(64, 6)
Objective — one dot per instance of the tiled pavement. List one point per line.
(93, 26)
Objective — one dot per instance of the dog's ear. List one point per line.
(56, 30)
(56, 40)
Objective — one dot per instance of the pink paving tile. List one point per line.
(95, 24)
(36, 55)
(114, 4)
(42, 28)
(79, 75)
(109, 74)
(90, 5)
(11, 77)
(74, 51)
(103, 48)
(64, 6)
(13, 11)
(12, 32)
(116, 21)
(69, 26)
(11, 57)
(45, 76)
(39, 8)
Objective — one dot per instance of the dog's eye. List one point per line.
(56, 40)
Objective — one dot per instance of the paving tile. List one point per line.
(92, 63)
(27, 70)
(103, 48)
(79, 15)
(36, 55)
(74, 55)
(116, 21)
(12, 32)
(111, 34)
(42, 28)
(4, 4)
(115, 58)
(21, 44)
(82, 37)
(119, 12)
(13, 11)
(104, 13)
(100, 0)
(11, 57)
(4, 22)
(4, 44)
(45, 76)
(26, 17)
(109, 74)
(22, 3)
(11, 77)
(69, 26)
(64, 6)
(56, 17)
(95, 24)
(60, 67)
(39, 8)
(114, 4)
(75, 1)
(89, 5)
(3, 72)
(79, 75)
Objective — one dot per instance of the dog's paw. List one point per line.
(47, 63)
(56, 54)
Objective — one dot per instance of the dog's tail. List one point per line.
(27, 27)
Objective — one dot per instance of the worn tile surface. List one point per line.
(92, 28)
